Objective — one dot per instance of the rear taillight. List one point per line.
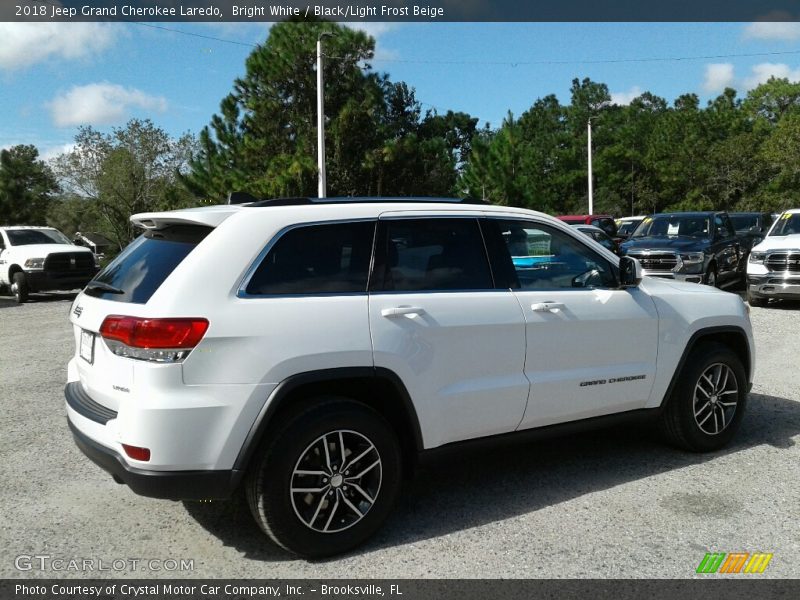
(158, 340)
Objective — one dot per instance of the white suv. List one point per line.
(308, 351)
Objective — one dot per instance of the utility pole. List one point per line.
(321, 184)
(591, 193)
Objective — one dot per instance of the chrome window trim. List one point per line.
(244, 281)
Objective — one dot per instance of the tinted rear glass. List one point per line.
(317, 259)
(147, 262)
(435, 255)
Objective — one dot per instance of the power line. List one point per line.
(192, 34)
(519, 63)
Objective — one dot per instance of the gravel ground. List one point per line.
(608, 504)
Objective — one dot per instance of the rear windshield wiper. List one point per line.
(99, 285)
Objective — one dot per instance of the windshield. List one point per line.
(787, 224)
(744, 222)
(27, 237)
(674, 225)
(627, 227)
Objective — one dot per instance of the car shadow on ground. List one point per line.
(480, 487)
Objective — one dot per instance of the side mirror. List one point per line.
(77, 242)
(630, 272)
(755, 229)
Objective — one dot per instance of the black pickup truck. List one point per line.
(700, 247)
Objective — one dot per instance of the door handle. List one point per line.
(548, 306)
(400, 311)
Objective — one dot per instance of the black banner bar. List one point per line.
(400, 10)
(747, 587)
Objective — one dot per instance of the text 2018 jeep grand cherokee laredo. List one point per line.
(308, 351)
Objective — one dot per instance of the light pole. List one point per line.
(591, 189)
(321, 192)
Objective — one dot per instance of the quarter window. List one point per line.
(433, 255)
(317, 259)
(547, 259)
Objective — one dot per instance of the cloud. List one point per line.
(718, 77)
(48, 153)
(762, 72)
(100, 104)
(26, 44)
(722, 75)
(788, 31)
(625, 98)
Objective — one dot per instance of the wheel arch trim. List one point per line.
(283, 391)
(698, 336)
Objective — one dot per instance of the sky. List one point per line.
(55, 77)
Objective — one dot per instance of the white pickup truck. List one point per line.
(773, 270)
(40, 259)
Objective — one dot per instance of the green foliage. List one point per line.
(27, 186)
(131, 170)
(378, 139)
(647, 157)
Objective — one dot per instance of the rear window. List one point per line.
(146, 263)
(317, 259)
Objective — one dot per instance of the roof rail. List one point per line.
(253, 202)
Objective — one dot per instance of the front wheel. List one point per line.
(19, 287)
(326, 479)
(708, 402)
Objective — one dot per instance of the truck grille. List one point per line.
(72, 263)
(783, 261)
(657, 261)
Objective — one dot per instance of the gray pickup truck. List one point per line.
(699, 247)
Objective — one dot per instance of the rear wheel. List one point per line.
(326, 479)
(19, 287)
(707, 405)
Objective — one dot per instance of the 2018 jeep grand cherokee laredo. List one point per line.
(309, 351)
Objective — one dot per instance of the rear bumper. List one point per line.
(773, 285)
(172, 485)
(43, 281)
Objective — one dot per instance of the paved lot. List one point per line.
(610, 504)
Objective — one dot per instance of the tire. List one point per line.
(306, 523)
(706, 407)
(710, 277)
(19, 287)
(756, 300)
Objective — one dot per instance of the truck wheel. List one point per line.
(756, 300)
(710, 278)
(19, 287)
(708, 402)
(326, 479)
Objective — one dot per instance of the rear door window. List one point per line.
(434, 254)
(330, 258)
(146, 263)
